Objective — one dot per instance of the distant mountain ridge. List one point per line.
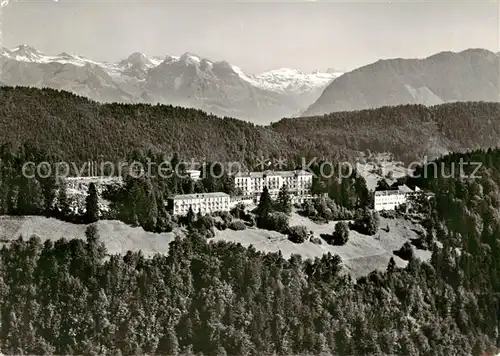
(188, 80)
(470, 75)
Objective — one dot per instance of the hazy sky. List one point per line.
(256, 36)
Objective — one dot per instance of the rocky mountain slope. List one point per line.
(188, 80)
(470, 75)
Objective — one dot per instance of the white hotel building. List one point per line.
(251, 184)
(203, 203)
(390, 199)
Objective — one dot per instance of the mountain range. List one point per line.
(223, 89)
(188, 80)
(470, 75)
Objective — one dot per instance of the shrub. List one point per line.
(366, 222)
(219, 223)
(316, 240)
(401, 209)
(238, 211)
(297, 234)
(276, 221)
(405, 252)
(164, 224)
(205, 222)
(237, 225)
(308, 209)
(226, 216)
(341, 233)
(326, 209)
(388, 214)
(250, 221)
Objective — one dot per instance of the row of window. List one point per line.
(203, 206)
(291, 186)
(391, 197)
(201, 201)
(258, 180)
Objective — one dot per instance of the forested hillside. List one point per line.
(76, 129)
(222, 299)
(407, 131)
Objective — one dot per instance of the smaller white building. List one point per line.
(203, 203)
(390, 199)
(245, 200)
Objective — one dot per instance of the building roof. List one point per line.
(401, 189)
(94, 179)
(404, 189)
(379, 193)
(199, 196)
(273, 173)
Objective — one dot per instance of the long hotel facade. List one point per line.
(251, 184)
(203, 203)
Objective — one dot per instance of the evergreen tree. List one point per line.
(30, 200)
(341, 233)
(168, 345)
(373, 222)
(147, 208)
(284, 203)
(92, 234)
(190, 217)
(382, 185)
(363, 196)
(91, 205)
(63, 206)
(265, 203)
(391, 266)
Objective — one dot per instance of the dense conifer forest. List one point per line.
(74, 128)
(222, 299)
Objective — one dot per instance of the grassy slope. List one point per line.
(361, 254)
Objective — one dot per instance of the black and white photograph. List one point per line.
(250, 178)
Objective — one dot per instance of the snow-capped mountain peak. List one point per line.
(287, 79)
(283, 72)
(187, 80)
(224, 67)
(190, 59)
(136, 64)
(24, 48)
(156, 60)
(25, 53)
(139, 60)
(65, 55)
